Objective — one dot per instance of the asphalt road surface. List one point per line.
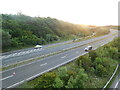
(20, 74)
(18, 56)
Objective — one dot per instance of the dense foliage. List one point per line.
(89, 71)
(21, 30)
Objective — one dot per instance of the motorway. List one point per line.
(15, 57)
(31, 70)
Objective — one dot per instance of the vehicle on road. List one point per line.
(38, 46)
(88, 48)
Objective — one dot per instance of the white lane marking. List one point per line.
(27, 51)
(20, 52)
(9, 55)
(102, 44)
(6, 77)
(64, 56)
(13, 54)
(43, 64)
(16, 84)
(2, 57)
(116, 84)
(23, 53)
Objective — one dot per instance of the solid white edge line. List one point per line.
(116, 85)
(111, 77)
(16, 84)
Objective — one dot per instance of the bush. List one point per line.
(16, 42)
(6, 39)
(46, 80)
(58, 83)
(63, 74)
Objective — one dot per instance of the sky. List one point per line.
(90, 12)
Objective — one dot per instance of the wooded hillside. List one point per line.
(21, 30)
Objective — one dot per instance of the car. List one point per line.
(88, 48)
(38, 46)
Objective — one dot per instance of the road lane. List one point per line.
(29, 70)
(14, 58)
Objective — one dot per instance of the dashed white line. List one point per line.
(64, 56)
(43, 64)
(6, 77)
(20, 52)
(27, 51)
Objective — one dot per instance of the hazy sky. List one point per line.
(91, 12)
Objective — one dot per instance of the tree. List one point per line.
(70, 83)
(15, 42)
(101, 70)
(46, 80)
(58, 83)
(80, 79)
(63, 74)
(6, 41)
(86, 62)
(92, 55)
